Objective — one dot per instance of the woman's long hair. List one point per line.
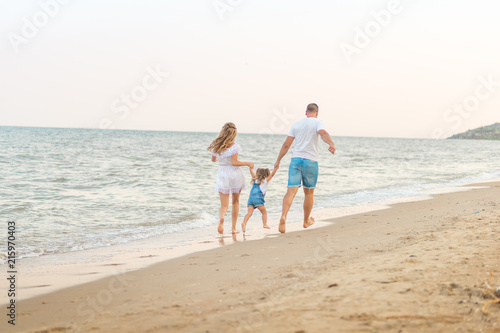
(225, 139)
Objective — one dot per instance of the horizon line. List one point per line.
(211, 132)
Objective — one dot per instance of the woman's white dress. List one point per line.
(230, 178)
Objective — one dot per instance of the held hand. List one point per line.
(250, 165)
(332, 149)
(277, 165)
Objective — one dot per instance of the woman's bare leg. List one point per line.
(224, 205)
(235, 210)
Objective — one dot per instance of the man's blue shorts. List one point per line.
(303, 171)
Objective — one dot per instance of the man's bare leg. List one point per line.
(308, 205)
(287, 203)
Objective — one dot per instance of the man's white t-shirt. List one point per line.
(306, 135)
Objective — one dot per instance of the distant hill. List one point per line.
(491, 132)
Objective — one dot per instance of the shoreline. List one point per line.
(78, 267)
(253, 280)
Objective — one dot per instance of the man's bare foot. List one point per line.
(235, 232)
(244, 226)
(309, 223)
(266, 226)
(282, 227)
(220, 228)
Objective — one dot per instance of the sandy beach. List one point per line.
(421, 266)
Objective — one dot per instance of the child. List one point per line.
(260, 179)
(230, 179)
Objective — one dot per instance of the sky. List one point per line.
(408, 68)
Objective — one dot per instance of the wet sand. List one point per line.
(416, 267)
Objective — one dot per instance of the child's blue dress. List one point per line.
(257, 194)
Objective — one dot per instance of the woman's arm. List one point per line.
(272, 175)
(214, 159)
(235, 162)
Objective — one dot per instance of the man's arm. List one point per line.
(328, 140)
(284, 149)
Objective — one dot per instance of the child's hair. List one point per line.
(260, 175)
(225, 138)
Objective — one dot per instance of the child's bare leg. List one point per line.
(264, 216)
(245, 220)
(224, 205)
(235, 210)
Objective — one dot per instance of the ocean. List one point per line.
(76, 189)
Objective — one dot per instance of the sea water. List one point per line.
(84, 195)
(75, 189)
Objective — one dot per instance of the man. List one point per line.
(304, 165)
